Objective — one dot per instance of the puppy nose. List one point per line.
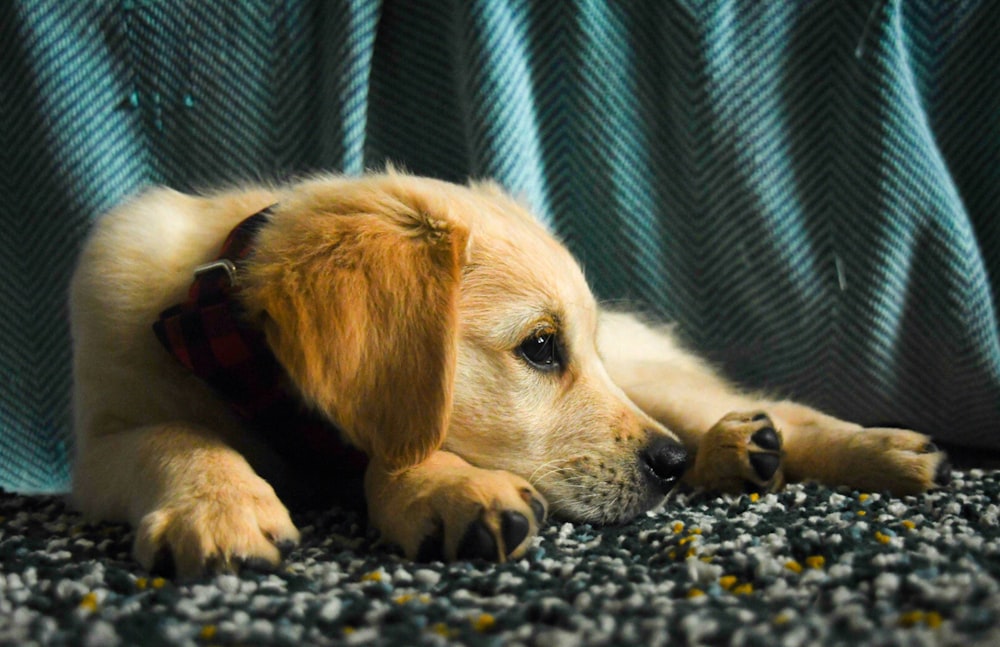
(665, 460)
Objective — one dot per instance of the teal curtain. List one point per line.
(810, 189)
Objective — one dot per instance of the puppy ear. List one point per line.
(356, 284)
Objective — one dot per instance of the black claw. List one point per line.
(514, 528)
(432, 547)
(477, 543)
(163, 564)
(254, 563)
(942, 475)
(931, 448)
(219, 564)
(759, 417)
(765, 465)
(767, 438)
(538, 509)
(285, 547)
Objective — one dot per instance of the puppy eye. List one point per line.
(542, 351)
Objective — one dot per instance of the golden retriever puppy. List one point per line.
(438, 330)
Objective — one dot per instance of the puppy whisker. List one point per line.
(554, 467)
(562, 466)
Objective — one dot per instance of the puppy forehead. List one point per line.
(520, 281)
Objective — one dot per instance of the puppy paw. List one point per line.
(898, 460)
(221, 527)
(449, 510)
(741, 453)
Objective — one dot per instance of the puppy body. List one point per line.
(452, 340)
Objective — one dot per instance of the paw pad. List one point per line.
(767, 438)
(764, 450)
(477, 543)
(432, 547)
(514, 528)
(765, 465)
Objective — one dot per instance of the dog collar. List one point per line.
(210, 336)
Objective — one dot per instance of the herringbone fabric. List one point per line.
(809, 189)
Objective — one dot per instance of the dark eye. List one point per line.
(542, 351)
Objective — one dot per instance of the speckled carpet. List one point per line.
(809, 565)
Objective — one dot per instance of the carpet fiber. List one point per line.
(809, 565)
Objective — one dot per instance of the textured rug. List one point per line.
(809, 565)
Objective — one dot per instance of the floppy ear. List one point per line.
(356, 283)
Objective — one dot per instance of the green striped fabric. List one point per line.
(810, 189)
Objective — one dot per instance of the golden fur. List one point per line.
(397, 306)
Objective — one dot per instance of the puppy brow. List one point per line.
(548, 324)
(511, 327)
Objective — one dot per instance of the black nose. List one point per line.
(665, 461)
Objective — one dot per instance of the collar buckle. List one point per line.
(223, 264)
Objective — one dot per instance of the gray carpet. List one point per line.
(806, 566)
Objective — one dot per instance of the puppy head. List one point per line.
(416, 313)
(532, 395)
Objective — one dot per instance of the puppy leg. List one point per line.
(194, 501)
(822, 448)
(745, 442)
(444, 508)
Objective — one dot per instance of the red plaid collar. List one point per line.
(208, 335)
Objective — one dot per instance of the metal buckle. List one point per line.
(223, 264)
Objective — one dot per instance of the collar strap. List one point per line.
(216, 278)
(210, 335)
(207, 332)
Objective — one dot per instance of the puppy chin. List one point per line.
(608, 515)
(606, 504)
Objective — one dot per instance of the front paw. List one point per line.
(218, 528)
(742, 452)
(446, 509)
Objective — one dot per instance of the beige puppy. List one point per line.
(451, 340)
